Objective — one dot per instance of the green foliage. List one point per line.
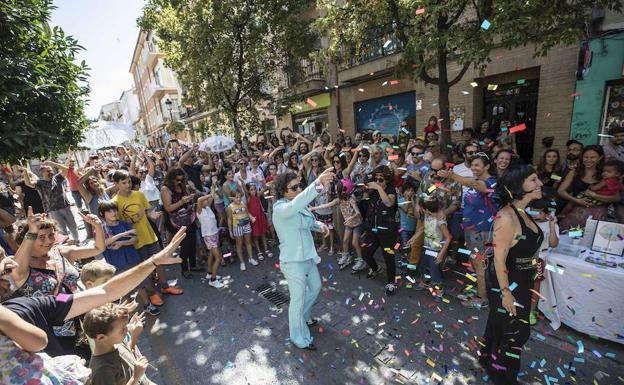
(228, 53)
(434, 33)
(42, 90)
(175, 127)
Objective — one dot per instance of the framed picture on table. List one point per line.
(609, 238)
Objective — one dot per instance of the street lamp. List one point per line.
(169, 105)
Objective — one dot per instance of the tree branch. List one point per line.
(460, 75)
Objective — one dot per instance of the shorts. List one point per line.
(148, 250)
(477, 240)
(240, 231)
(220, 207)
(356, 230)
(327, 219)
(211, 241)
(540, 267)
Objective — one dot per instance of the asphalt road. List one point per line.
(237, 336)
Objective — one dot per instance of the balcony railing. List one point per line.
(308, 70)
(378, 46)
(187, 112)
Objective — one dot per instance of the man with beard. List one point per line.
(614, 149)
(574, 149)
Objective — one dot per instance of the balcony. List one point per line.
(187, 111)
(152, 54)
(309, 77)
(157, 90)
(379, 46)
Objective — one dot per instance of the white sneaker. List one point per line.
(359, 265)
(243, 267)
(253, 261)
(208, 276)
(343, 258)
(216, 284)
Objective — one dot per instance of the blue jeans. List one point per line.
(77, 198)
(428, 262)
(304, 286)
(405, 236)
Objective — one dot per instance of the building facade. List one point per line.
(540, 92)
(157, 88)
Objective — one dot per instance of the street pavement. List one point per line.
(236, 336)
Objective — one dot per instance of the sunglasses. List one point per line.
(417, 153)
(179, 179)
(471, 152)
(295, 187)
(362, 155)
(380, 180)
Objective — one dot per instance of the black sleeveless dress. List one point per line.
(505, 335)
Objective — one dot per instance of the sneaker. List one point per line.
(260, 256)
(345, 261)
(253, 262)
(533, 317)
(217, 276)
(390, 289)
(172, 290)
(243, 267)
(269, 254)
(476, 303)
(216, 284)
(156, 300)
(331, 252)
(343, 257)
(151, 309)
(359, 265)
(373, 273)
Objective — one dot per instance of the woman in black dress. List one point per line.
(510, 275)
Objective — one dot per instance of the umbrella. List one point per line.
(217, 143)
(107, 134)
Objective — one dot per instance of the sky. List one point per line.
(107, 30)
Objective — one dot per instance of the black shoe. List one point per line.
(187, 274)
(373, 273)
(312, 322)
(390, 289)
(310, 347)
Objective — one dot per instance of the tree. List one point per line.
(42, 90)
(435, 33)
(228, 53)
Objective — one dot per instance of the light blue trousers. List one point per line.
(304, 285)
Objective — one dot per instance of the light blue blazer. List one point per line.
(293, 224)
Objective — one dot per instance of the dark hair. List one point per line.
(170, 178)
(135, 181)
(104, 206)
(430, 203)
(615, 129)
(340, 190)
(433, 117)
(343, 161)
(22, 228)
(597, 149)
(408, 185)
(387, 173)
(618, 164)
(541, 166)
(484, 158)
(119, 175)
(544, 205)
(281, 183)
(573, 141)
(509, 185)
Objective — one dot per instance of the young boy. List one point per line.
(120, 251)
(114, 360)
(96, 273)
(407, 216)
(132, 206)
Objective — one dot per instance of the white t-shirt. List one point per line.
(465, 171)
(148, 187)
(545, 226)
(208, 222)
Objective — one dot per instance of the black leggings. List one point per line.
(386, 239)
(188, 247)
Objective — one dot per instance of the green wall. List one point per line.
(607, 60)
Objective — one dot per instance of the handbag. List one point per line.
(182, 217)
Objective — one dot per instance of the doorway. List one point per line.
(517, 103)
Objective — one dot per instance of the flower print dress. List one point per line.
(19, 367)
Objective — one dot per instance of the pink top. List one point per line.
(613, 187)
(72, 179)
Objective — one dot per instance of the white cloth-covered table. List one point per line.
(587, 297)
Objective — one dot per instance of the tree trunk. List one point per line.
(235, 125)
(444, 120)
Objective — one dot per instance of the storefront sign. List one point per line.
(311, 103)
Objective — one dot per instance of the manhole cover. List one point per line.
(275, 297)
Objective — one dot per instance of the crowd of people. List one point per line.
(422, 207)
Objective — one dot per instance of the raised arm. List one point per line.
(61, 167)
(125, 282)
(75, 253)
(301, 201)
(25, 335)
(474, 183)
(24, 252)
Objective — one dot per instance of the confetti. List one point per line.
(311, 102)
(518, 128)
(486, 24)
(420, 11)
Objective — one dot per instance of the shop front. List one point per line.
(311, 116)
(385, 114)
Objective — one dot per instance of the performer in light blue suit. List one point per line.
(293, 224)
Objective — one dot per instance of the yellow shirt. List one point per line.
(132, 209)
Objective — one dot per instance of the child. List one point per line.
(323, 214)
(544, 214)
(239, 224)
(115, 360)
(120, 251)
(352, 222)
(210, 234)
(436, 243)
(259, 225)
(96, 273)
(610, 185)
(406, 213)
